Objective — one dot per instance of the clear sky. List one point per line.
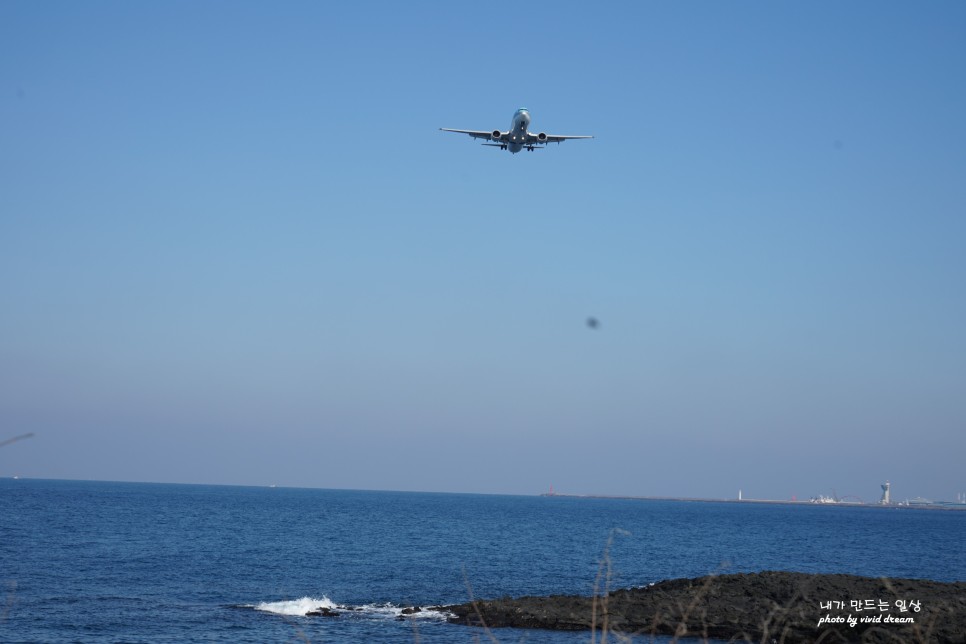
(235, 247)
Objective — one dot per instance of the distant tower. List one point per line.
(739, 495)
(885, 494)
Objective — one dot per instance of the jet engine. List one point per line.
(542, 137)
(496, 135)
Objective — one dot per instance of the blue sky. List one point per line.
(235, 248)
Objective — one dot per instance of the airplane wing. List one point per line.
(554, 138)
(532, 139)
(476, 134)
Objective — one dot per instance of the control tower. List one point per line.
(885, 494)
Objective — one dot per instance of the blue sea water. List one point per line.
(134, 562)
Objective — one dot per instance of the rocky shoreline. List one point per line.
(758, 607)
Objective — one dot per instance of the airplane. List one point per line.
(517, 137)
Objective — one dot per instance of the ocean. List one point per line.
(138, 562)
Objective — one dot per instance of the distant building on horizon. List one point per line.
(885, 494)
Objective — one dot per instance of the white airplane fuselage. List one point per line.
(517, 136)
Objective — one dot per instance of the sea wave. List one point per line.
(313, 607)
(296, 607)
(397, 612)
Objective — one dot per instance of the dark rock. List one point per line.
(763, 606)
(410, 611)
(322, 612)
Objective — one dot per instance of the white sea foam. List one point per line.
(296, 606)
(393, 611)
(302, 607)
